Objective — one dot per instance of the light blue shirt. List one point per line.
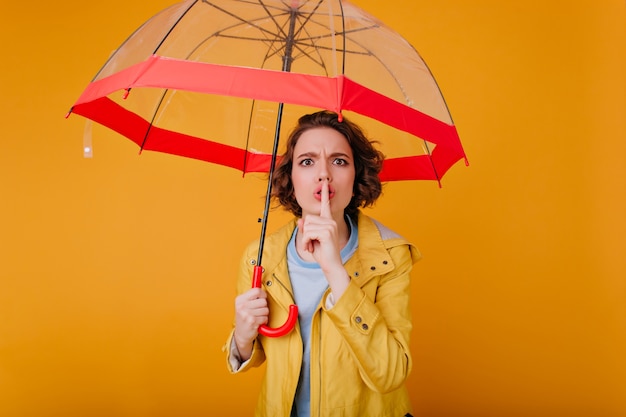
(309, 284)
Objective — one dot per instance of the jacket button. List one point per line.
(358, 319)
(268, 283)
(385, 262)
(373, 268)
(356, 274)
(252, 262)
(365, 326)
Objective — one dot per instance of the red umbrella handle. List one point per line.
(293, 311)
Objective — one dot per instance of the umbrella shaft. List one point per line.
(289, 41)
(268, 195)
(287, 60)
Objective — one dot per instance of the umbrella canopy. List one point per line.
(202, 79)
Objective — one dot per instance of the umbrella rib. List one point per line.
(291, 38)
(368, 52)
(243, 21)
(135, 32)
(301, 46)
(271, 16)
(245, 151)
(174, 26)
(307, 18)
(154, 115)
(343, 30)
(432, 163)
(298, 45)
(269, 39)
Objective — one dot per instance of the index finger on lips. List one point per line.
(325, 209)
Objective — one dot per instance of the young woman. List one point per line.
(348, 274)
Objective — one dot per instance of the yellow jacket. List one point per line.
(360, 355)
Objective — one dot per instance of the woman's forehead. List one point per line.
(322, 138)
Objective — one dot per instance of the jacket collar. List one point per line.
(371, 258)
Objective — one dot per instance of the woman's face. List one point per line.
(322, 153)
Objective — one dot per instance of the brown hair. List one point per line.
(368, 162)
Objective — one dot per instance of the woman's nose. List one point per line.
(324, 173)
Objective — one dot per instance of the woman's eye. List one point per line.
(306, 162)
(340, 161)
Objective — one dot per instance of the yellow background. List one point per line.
(117, 272)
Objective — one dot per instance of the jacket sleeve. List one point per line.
(244, 281)
(377, 329)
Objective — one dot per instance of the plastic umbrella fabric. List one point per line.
(215, 80)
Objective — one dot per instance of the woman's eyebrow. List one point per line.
(342, 154)
(307, 154)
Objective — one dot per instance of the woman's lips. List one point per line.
(318, 194)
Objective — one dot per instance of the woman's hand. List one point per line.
(251, 311)
(320, 237)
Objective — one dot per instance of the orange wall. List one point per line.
(116, 273)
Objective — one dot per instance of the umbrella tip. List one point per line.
(69, 112)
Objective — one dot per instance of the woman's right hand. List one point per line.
(251, 311)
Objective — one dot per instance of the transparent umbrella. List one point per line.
(216, 80)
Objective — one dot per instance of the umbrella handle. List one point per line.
(291, 319)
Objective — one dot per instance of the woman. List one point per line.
(348, 274)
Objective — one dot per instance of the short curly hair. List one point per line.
(368, 163)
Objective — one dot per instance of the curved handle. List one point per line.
(293, 311)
